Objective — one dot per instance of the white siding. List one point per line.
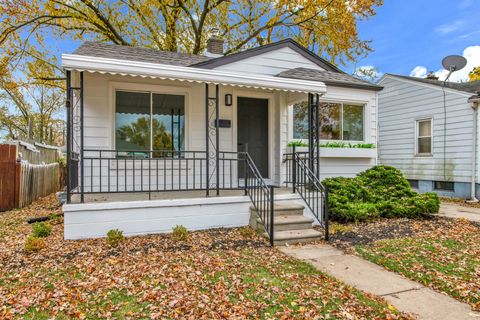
(401, 103)
(271, 63)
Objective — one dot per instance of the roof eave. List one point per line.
(189, 74)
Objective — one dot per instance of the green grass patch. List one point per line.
(447, 264)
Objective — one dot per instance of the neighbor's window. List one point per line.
(337, 121)
(413, 183)
(149, 121)
(443, 186)
(424, 137)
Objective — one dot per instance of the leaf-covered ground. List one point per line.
(441, 253)
(219, 274)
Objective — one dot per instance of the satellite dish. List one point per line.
(454, 63)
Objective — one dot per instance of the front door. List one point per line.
(252, 134)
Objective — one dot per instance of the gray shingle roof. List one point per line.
(471, 87)
(112, 51)
(329, 78)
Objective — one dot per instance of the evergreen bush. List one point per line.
(381, 191)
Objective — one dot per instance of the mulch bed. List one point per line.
(370, 232)
(215, 274)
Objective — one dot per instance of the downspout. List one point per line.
(474, 102)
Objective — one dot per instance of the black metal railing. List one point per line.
(301, 178)
(147, 171)
(261, 195)
(114, 171)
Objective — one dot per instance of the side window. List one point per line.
(424, 137)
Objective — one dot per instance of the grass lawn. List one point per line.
(213, 275)
(443, 254)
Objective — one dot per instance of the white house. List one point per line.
(204, 137)
(429, 130)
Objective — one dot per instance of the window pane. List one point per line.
(300, 120)
(168, 122)
(425, 145)
(330, 121)
(132, 121)
(424, 128)
(353, 123)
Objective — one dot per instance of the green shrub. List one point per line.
(115, 237)
(41, 229)
(34, 244)
(180, 233)
(381, 191)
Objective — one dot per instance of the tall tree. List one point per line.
(474, 74)
(327, 26)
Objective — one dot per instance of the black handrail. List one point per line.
(262, 196)
(306, 183)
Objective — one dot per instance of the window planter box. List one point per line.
(341, 152)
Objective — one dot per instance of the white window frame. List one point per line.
(146, 88)
(417, 136)
(341, 103)
(151, 93)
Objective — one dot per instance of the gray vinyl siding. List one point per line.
(401, 103)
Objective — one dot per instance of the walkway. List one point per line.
(453, 210)
(405, 295)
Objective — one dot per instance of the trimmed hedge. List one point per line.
(381, 191)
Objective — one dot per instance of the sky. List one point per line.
(411, 37)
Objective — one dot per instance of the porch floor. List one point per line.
(164, 195)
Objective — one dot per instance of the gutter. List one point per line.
(474, 101)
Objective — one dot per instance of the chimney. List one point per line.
(431, 76)
(214, 44)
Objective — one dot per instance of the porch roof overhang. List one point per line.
(74, 62)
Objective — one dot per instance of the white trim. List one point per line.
(190, 74)
(417, 121)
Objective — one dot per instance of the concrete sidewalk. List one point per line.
(404, 294)
(453, 210)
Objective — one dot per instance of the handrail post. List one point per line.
(294, 170)
(326, 215)
(272, 211)
(245, 175)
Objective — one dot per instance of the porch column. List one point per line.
(313, 133)
(69, 133)
(212, 140)
(82, 163)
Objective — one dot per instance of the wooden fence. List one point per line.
(22, 182)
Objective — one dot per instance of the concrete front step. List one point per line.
(289, 222)
(285, 209)
(282, 238)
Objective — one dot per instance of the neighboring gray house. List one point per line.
(434, 154)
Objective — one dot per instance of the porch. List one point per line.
(217, 164)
